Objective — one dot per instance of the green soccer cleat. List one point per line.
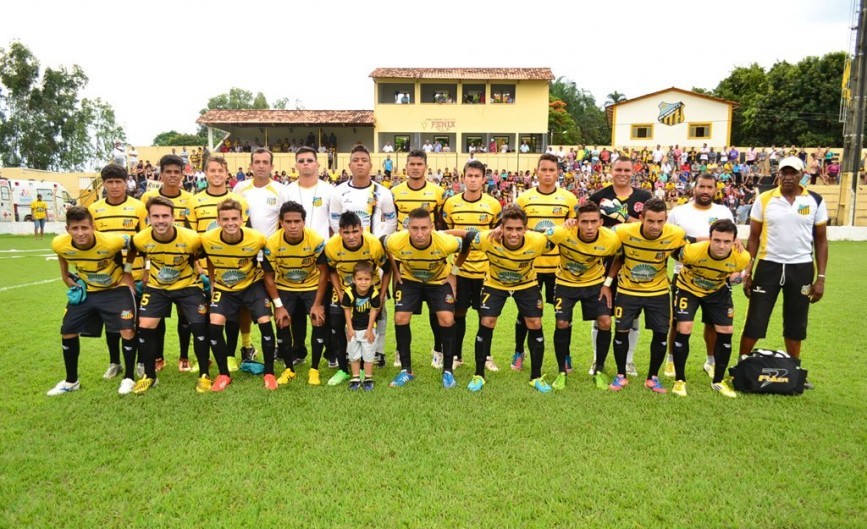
(560, 382)
(339, 378)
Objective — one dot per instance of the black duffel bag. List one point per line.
(766, 371)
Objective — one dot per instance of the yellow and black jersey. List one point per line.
(171, 261)
(101, 265)
(425, 265)
(360, 306)
(406, 199)
(234, 263)
(202, 212)
(582, 264)
(181, 204)
(546, 211)
(702, 274)
(295, 264)
(342, 260)
(127, 218)
(511, 269)
(644, 271)
(473, 216)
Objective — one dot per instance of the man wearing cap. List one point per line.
(787, 224)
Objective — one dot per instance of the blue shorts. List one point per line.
(39, 223)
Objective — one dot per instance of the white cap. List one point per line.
(791, 161)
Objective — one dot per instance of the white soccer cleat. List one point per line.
(112, 371)
(63, 387)
(436, 361)
(126, 386)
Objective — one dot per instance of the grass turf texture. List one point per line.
(422, 456)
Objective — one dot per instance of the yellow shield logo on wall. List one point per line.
(671, 113)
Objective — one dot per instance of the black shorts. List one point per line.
(657, 311)
(468, 293)
(566, 297)
(528, 300)
(704, 317)
(114, 307)
(254, 297)
(297, 299)
(191, 302)
(409, 296)
(796, 281)
(547, 282)
(717, 308)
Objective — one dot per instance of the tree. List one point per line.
(560, 123)
(614, 98)
(172, 137)
(45, 124)
(590, 120)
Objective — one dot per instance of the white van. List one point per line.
(16, 196)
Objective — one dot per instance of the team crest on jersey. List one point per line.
(126, 315)
(178, 260)
(267, 303)
(103, 263)
(557, 211)
(271, 201)
(243, 262)
(539, 303)
(307, 261)
(711, 220)
(730, 313)
(660, 256)
(317, 202)
(483, 217)
(804, 209)
(128, 223)
(450, 298)
(202, 309)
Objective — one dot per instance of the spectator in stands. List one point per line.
(387, 147)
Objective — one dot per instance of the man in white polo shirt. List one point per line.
(786, 225)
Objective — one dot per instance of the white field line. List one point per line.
(25, 285)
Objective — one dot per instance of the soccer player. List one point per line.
(349, 246)
(643, 285)
(621, 202)
(173, 279)
(473, 211)
(511, 273)
(38, 212)
(360, 303)
(236, 282)
(583, 253)
(103, 289)
(695, 217)
(296, 274)
(424, 258)
(171, 175)
(417, 192)
(545, 205)
(203, 217)
(121, 214)
(702, 283)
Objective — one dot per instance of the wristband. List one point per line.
(608, 282)
(278, 303)
(821, 276)
(127, 268)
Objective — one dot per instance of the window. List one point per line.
(474, 94)
(4, 193)
(439, 93)
(401, 143)
(396, 93)
(642, 131)
(474, 140)
(503, 93)
(698, 131)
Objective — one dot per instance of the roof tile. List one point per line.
(293, 117)
(540, 74)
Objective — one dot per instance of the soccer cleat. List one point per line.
(184, 365)
(669, 371)
(630, 369)
(221, 383)
(297, 362)
(333, 364)
(160, 364)
(287, 376)
(270, 382)
(379, 361)
(592, 370)
(313, 377)
(559, 382)
(339, 378)
(517, 361)
(367, 384)
(540, 385)
(233, 363)
(143, 385)
(679, 388)
(449, 380)
(654, 385)
(203, 385)
(436, 361)
(458, 362)
(402, 379)
(354, 384)
(248, 354)
(619, 382)
(126, 386)
(808, 385)
(139, 370)
(725, 389)
(396, 362)
(568, 363)
(600, 380)
(63, 387)
(112, 371)
(476, 383)
(489, 364)
(709, 369)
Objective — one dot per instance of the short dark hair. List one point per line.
(359, 148)
(306, 149)
(348, 219)
(656, 205)
(475, 164)
(724, 226)
(262, 150)
(418, 213)
(589, 207)
(78, 213)
(417, 153)
(113, 171)
(159, 201)
(292, 207)
(514, 211)
(363, 266)
(622, 159)
(547, 157)
(705, 176)
(171, 159)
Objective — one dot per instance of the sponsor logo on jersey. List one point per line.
(295, 276)
(99, 279)
(642, 272)
(232, 277)
(508, 276)
(168, 275)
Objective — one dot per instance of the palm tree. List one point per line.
(614, 97)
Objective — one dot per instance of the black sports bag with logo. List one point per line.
(766, 371)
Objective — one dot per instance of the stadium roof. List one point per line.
(351, 118)
(512, 74)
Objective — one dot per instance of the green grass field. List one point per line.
(422, 456)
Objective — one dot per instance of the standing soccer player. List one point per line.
(643, 285)
(103, 288)
(546, 206)
(702, 283)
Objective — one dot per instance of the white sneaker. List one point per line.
(457, 362)
(490, 365)
(630, 369)
(63, 387)
(112, 371)
(396, 362)
(592, 370)
(139, 370)
(126, 386)
(436, 361)
(709, 369)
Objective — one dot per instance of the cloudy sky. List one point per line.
(158, 62)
